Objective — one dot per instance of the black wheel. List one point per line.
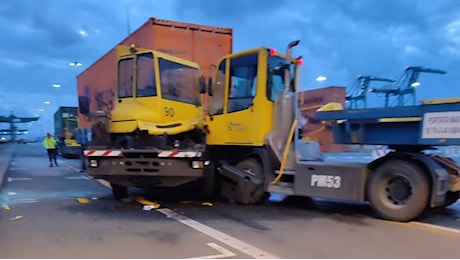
(119, 192)
(253, 167)
(399, 190)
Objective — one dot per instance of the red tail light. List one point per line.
(272, 52)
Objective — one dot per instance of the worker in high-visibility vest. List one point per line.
(50, 144)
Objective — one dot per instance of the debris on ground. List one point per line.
(6, 207)
(83, 200)
(148, 205)
(17, 217)
(196, 203)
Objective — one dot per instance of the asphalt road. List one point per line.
(42, 218)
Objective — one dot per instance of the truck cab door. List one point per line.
(231, 120)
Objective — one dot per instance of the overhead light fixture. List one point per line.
(321, 78)
(415, 84)
(75, 64)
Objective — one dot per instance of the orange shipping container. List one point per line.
(310, 101)
(205, 45)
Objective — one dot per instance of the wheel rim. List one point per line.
(398, 190)
(250, 171)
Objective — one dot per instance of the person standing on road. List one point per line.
(50, 144)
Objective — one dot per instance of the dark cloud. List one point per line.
(339, 38)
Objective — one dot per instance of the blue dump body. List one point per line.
(421, 125)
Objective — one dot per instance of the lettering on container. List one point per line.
(441, 125)
(314, 100)
(326, 181)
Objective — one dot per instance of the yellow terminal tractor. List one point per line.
(255, 145)
(153, 136)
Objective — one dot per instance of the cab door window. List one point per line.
(218, 89)
(146, 86)
(243, 82)
(125, 78)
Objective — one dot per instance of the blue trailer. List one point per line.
(434, 123)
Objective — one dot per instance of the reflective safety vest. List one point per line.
(49, 143)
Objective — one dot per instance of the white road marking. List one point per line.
(11, 193)
(77, 177)
(18, 179)
(105, 183)
(72, 167)
(19, 169)
(22, 201)
(223, 252)
(220, 236)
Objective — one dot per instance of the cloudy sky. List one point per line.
(340, 39)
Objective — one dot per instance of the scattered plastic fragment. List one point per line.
(150, 204)
(83, 201)
(17, 217)
(147, 207)
(6, 207)
(209, 204)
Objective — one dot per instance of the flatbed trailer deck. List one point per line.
(433, 124)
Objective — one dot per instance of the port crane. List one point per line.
(356, 97)
(404, 88)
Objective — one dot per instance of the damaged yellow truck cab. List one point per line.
(245, 87)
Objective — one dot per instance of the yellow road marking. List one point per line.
(428, 227)
(224, 253)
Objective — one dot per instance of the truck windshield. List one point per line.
(179, 82)
(275, 77)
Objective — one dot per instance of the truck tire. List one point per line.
(119, 192)
(253, 167)
(399, 190)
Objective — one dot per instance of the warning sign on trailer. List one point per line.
(441, 125)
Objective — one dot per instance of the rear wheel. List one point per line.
(119, 192)
(399, 190)
(252, 166)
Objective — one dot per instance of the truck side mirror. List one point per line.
(210, 87)
(202, 83)
(83, 105)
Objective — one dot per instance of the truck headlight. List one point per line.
(197, 164)
(93, 163)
